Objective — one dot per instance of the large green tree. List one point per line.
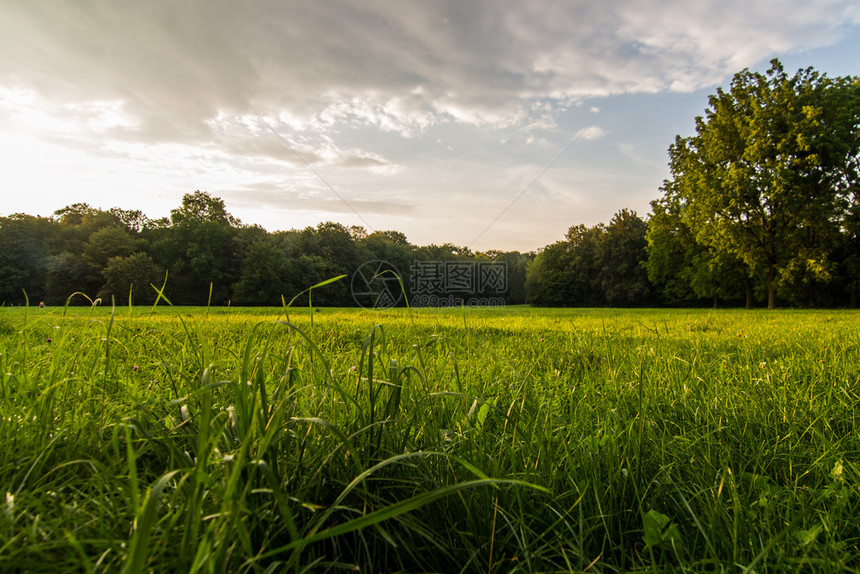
(765, 177)
(594, 266)
(333, 244)
(586, 243)
(198, 250)
(618, 260)
(683, 270)
(263, 280)
(566, 273)
(131, 277)
(101, 247)
(551, 280)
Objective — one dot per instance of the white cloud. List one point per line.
(591, 133)
(353, 87)
(174, 65)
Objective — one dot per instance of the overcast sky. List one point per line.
(494, 124)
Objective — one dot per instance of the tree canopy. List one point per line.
(594, 266)
(118, 254)
(768, 184)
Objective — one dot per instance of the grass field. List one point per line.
(495, 440)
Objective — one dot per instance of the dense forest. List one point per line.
(762, 208)
(118, 253)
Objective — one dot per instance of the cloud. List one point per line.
(179, 88)
(277, 196)
(291, 143)
(591, 133)
(175, 65)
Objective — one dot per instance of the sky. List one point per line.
(491, 124)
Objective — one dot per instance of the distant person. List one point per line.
(41, 304)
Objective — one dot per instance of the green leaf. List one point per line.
(653, 524)
(482, 414)
(659, 531)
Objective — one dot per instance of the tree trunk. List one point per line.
(748, 287)
(716, 300)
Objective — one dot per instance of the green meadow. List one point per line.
(456, 440)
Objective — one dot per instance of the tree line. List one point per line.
(762, 208)
(206, 256)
